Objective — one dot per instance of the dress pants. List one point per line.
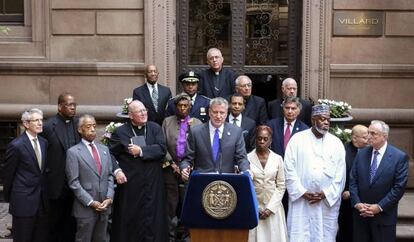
(30, 229)
(62, 224)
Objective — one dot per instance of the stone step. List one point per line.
(405, 223)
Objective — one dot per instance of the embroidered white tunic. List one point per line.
(314, 165)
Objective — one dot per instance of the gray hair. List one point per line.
(83, 118)
(288, 80)
(384, 127)
(239, 78)
(219, 101)
(213, 49)
(294, 100)
(27, 115)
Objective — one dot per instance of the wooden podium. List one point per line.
(219, 207)
(219, 235)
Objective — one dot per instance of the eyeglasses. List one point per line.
(39, 120)
(248, 85)
(140, 111)
(68, 105)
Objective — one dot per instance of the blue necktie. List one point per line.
(216, 144)
(374, 165)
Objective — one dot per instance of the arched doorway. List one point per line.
(259, 38)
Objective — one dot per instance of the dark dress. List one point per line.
(140, 206)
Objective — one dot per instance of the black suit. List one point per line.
(248, 126)
(25, 189)
(386, 189)
(58, 133)
(275, 110)
(256, 109)
(226, 83)
(277, 126)
(143, 94)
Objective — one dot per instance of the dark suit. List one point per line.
(199, 109)
(275, 110)
(88, 185)
(345, 211)
(143, 94)
(277, 126)
(256, 109)
(248, 126)
(199, 152)
(386, 190)
(56, 131)
(25, 189)
(226, 83)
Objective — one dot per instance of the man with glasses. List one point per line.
(255, 107)
(378, 179)
(24, 180)
(216, 81)
(140, 204)
(61, 133)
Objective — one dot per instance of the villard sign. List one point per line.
(358, 23)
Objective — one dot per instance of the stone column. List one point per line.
(160, 39)
(317, 19)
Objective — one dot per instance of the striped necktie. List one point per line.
(154, 97)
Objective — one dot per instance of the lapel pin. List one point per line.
(228, 133)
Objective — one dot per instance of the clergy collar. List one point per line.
(137, 126)
(65, 120)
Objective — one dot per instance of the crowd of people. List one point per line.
(63, 185)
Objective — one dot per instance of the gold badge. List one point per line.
(219, 199)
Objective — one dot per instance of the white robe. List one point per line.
(314, 165)
(269, 184)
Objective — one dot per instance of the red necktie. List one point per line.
(287, 136)
(96, 158)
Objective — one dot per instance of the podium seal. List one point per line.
(219, 199)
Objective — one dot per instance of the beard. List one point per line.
(321, 131)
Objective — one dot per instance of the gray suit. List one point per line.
(88, 185)
(199, 152)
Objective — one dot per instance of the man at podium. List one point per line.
(215, 146)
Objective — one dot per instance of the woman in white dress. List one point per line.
(269, 184)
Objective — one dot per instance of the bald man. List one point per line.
(290, 89)
(359, 139)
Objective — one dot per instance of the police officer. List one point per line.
(199, 102)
